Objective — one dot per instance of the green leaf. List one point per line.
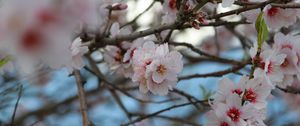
(4, 61)
(262, 30)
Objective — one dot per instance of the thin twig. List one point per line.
(214, 74)
(289, 90)
(139, 15)
(240, 10)
(183, 121)
(161, 111)
(200, 52)
(16, 105)
(292, 5)
(121, 105)
(82, 99)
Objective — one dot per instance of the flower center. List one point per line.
(224, 124)
(161, 69)
(289, 46)
(132, 52)
(234, 114)
(148, 62)
(272, 11)
(285, 63)
(237, 91)
(31, 40)
(172, 4)
(250, 95)
(118, 56)
(46, 17)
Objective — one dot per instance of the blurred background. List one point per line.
(49, 98)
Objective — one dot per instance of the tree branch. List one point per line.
(82, 99)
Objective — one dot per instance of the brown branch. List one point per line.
(193, 59)
(16, 105)
(101, 42)
(171, 119)
(110, 85)
(292, 5)
(161, 111)
(189, 97)
(215, 74)
(50, 108)
(240, 10)
(121, 105)
(290, 90)
(82, 99)
(139, 15)
(198, 51)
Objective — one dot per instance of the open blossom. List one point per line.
(77, 51)
(217, 120)
(279, 64)
(233, 112)
(285, 44)
(240, 104)
(254, 91)
(275, 17)
(156, 68)
(113, 55)
(142, 58)
(270, 62)
(163, 70)
(227, 87)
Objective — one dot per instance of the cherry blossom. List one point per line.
(113, 55)
(234, 111)
(215, 120)
(142, 58)
(227, 87)
(240, 104)
(256, 91)
(77, 51)
(270, 62)
(275, 17)
(156, 68)
(163, 70)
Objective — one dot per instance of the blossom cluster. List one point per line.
(241, 104)
(171, 9)
(153, 67)
(275, 17)
(279, 64)
(37, 33)
(245, 103)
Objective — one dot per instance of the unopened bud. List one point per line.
(119, 6)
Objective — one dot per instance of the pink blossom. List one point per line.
(234, 111)
(77, 51)
(276, 17)
(156, 68)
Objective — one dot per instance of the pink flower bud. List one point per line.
(119, 6)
